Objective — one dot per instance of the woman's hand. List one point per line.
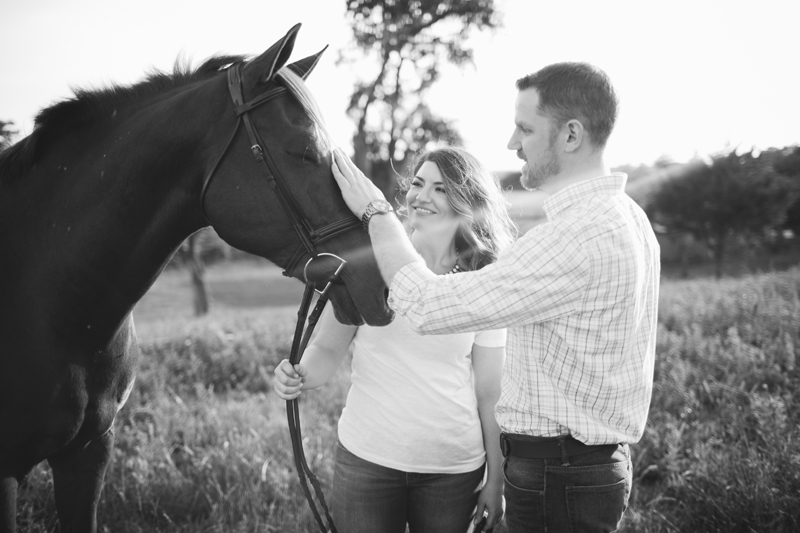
(288, 380)
(490, 500)
(357, 189)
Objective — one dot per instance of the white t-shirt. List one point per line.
(412, 405)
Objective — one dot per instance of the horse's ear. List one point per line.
(270, 62)
(304, 67)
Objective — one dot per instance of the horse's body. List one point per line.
(92, 206)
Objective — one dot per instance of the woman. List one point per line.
(418, 433)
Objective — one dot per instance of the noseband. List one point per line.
(309, 238)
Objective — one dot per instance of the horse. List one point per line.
(94, 203)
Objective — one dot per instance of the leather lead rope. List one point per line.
(309, 237)
(299, 344)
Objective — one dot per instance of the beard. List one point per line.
(535, 174)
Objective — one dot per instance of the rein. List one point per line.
(309, 238)
(299, 344)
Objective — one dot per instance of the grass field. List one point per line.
(246, 285)
(202, 444)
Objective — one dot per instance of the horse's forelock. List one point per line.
(300, 90)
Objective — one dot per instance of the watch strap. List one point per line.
(373, 210)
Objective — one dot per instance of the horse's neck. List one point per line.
(120, 205)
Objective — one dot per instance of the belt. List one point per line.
(547, 449)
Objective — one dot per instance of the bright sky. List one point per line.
(693, 76)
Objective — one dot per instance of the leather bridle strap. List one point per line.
(299, 344)
(309, 237)
(262, 156)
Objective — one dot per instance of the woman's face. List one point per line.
(428, 208)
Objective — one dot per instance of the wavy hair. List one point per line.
(474, 194)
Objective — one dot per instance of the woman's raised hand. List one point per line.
(289, 380)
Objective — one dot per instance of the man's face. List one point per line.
(534, 140)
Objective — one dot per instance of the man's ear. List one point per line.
(575, 135)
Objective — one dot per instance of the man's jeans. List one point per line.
(369, 498)
(589, 495)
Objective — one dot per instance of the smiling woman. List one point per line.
(427, 205)
(420, 407)
(450, 185)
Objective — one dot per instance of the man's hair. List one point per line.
(578, 91)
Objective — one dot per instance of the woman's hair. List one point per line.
(474, 194)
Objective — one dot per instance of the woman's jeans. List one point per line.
(369, 498)
(589, 495)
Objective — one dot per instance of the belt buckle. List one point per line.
(505, 444)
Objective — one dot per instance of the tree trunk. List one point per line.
(360, 152)
(683, 254)
(377, 173)
(198, 276)
(719, 254)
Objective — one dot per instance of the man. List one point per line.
(578, 293)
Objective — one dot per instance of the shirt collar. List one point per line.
(608, 185)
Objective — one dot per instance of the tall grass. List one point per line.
(202, 444)
(721, 451)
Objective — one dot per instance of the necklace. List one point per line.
(456, 268)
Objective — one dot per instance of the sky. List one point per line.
(694, 77)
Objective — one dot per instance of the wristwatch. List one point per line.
(375, 207)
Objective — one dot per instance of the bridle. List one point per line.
(309, 238)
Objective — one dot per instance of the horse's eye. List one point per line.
(306, 156)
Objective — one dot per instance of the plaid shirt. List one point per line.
(579, 295)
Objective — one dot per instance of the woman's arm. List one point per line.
(487, 364)
(322, 357)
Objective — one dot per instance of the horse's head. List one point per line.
(269, 199)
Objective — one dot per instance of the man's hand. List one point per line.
(390, 243)
(357, 189)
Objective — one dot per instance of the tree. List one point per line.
(198, 272)
(7, 134)
(735, 195)
(202, 246)
(409, 41)
(786, 162)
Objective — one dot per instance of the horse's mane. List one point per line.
(89, 105)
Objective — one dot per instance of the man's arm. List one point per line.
(390, 243)
(541, 277)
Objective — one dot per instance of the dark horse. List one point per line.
(92, 206)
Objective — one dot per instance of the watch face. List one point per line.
(382, 205)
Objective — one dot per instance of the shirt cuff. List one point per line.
(408, 286)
